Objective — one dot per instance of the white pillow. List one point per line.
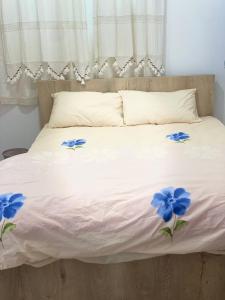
(86, 109)
(159, 107)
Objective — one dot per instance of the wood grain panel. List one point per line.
(171, 277)
(203, 83)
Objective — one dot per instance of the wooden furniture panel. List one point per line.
(180, 277)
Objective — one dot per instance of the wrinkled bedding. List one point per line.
(126, 193)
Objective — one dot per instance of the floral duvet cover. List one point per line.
(114, 194)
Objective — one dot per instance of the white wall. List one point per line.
(195, 45)
(196, 42)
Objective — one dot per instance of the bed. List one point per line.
(120, 252)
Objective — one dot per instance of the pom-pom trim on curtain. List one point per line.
(96, 70)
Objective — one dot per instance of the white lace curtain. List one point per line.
(77, 39)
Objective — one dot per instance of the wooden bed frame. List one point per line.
(196, 276)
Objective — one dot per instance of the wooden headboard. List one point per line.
(203, 83)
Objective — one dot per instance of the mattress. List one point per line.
(127, 193)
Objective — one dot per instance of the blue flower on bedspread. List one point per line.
(179, 137)
(171, 203)
(74, 144)
(9, 206)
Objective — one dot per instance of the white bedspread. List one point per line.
(99, 203)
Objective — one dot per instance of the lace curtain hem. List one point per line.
(95, 70)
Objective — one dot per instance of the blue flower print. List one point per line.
(179, 137)
(9, 206)
(171, 203)
(74, 144)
